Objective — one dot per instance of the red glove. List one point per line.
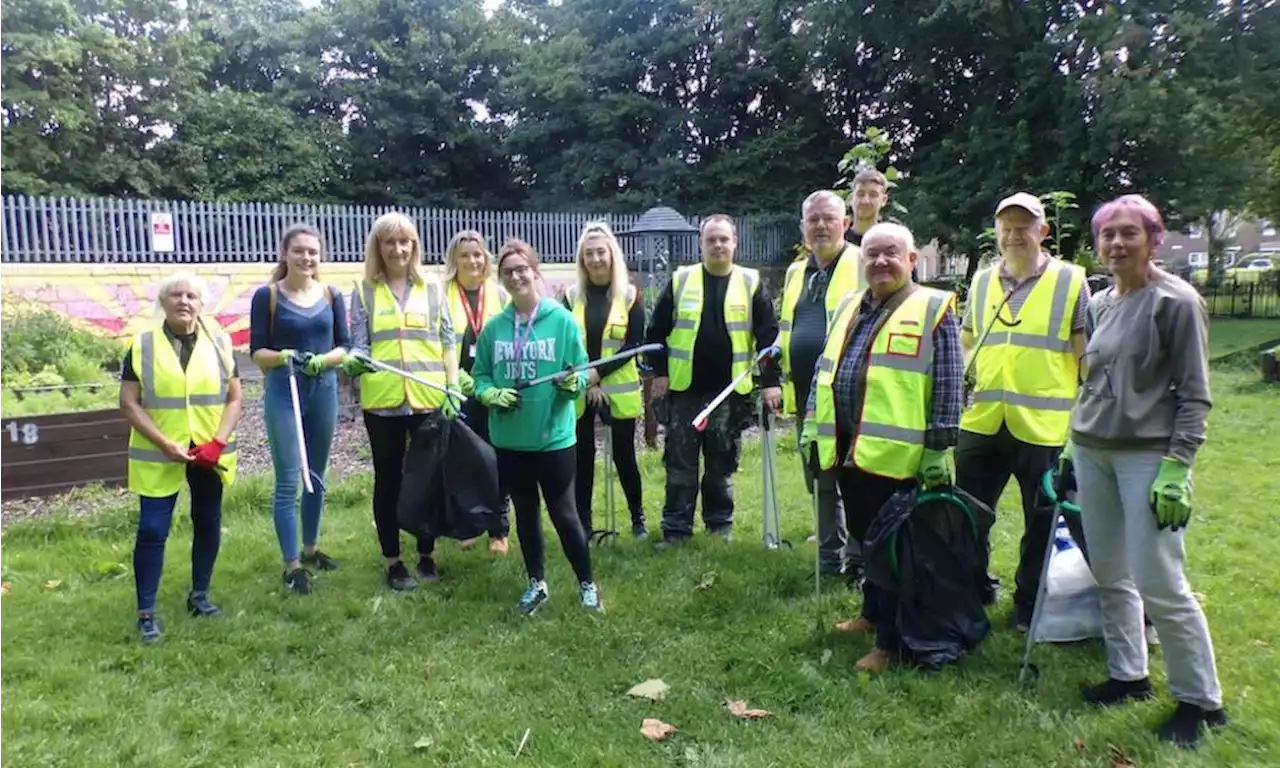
(206, 456)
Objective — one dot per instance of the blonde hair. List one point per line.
(294, 231)
(181, 277)
(619, 278)
(451, 254)
(389, 224)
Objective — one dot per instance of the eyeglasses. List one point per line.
(522, 270)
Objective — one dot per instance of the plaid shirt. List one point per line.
(943, 426)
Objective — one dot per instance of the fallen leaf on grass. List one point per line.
(1078, 744)
(423, 742)
(4, 587)
(826, 656)
(1259, 643)
(742, 709)
(650, 689)
(52, 584)
(708, 579)
(656, 730)
(1119, 759)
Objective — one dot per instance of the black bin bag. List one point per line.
(450, 486)
(925, 547)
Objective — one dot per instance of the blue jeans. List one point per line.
(154, 520)
(318, 401)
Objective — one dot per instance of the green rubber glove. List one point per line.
(354, 366)
(570, 383)
(315, 365)
(500, 398)
(1171, 494)
(466, 384)
(935, 469)
(287, 356)
(1064, 476)
(449, 408)
(808, 435)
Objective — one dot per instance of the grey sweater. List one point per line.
(1148, 360)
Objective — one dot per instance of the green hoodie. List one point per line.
(545, 419)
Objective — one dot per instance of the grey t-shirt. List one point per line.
(1148, 360)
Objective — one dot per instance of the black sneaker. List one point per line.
(398, 577)
(533, 597)
(427, 570)
(298, 580)
(669, 542)
(198, 604)
(724, 531)
(1020, 618)
(638, 531)
(149, 628)
(1115, 692)
(1183, 727)
(320, 561)
(990, 591)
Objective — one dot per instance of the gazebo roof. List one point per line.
(661, 220)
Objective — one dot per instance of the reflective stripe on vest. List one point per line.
(889, 439)
(1026, 374)
(623, 386)
(408, 339)
(688, 295)
(186, 406)
(845, 281)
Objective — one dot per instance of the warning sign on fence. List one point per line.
(161, 232)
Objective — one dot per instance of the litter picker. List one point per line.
(362, 357)
(770, 524)
(559, 375)
(610, 530)
(297, 425)
(700, 421)
(1060, 507)
(973, 357)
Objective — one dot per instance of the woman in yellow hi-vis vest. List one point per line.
(884, 406)
(474, 296)
(611, 319)
(398, 317)
(180, 391)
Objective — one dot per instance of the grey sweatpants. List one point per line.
(835, 551)
(1135, 565)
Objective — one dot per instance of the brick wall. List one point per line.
(121, 298)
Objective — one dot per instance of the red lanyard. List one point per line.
(474, 317)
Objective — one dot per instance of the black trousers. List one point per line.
(984, 464)
(478, 420)
(389, 441)
(624, 460)
(720, 445)
(864, 495)
(524, 472)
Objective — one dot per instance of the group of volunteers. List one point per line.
(1107, 394)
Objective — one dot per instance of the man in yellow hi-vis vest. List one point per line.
(1026, 377)
(712, 317)
(884, 406)
(826, 272)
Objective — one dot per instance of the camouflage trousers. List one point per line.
(720, 447)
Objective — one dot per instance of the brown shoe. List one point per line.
(859, 626)
(468, 543)
(498, 546)
(875, 662)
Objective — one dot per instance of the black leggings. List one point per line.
(522, 473)
(388, 441)
(624, 459)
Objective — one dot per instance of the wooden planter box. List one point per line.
(48, 454)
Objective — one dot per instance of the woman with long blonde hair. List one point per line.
(296, 320)
(610, 319)
(398, 317)
(473, 297)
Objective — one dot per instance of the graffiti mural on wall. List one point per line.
(121, 299)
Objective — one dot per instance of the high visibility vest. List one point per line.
(846, 280)
(1026, 374)
(687, 293)
(407, 338)
(185, 405)
(889, 436)
(623, 385)
(495, 300)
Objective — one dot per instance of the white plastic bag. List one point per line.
(1071, 611)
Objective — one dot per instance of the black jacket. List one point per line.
(450, 486)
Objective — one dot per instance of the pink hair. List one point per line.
(1139, 206)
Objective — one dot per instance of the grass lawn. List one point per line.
(449, 675)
